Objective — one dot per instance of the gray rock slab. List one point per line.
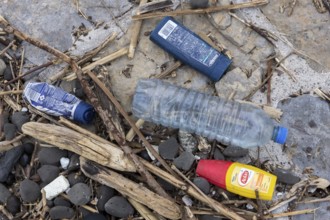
(286, 176)
(119, 207)
(169, 149)
(238, 83)
(202, 184)
(218, 155)
(308, 121)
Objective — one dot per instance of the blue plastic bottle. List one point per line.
(55, 101)
(189, 48)
(231, 123)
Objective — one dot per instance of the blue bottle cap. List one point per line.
(281, 134)
(84, 113)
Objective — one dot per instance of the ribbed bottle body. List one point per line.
(229, 122)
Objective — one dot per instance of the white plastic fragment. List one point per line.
(187, 200)
(56, 187)
(64, 162)
(150, 154)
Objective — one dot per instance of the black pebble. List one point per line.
(119, 207)
(8, 160)
(19, 118)
(29, 190)
(49, 203)
(202, 184)
(165, 185)
(80, 194)
(184, 161)
(7, 75)
(104, 193)
(60, 212)
(235, 152)
(145, 155)
(4, 117)
(199, 4)
(24, 160)
(9, 131)
(61, 202)
(28, 148)
(48, 173)
(11, 179)
(218, 155)
(285, 176)
(51, 155)
(94, 216)
(74, 162)
(75, 178)
(78, 90)
(13, 205)
(4, 193)
(169, 149)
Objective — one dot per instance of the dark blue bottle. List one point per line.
(189, 48)
(55, 101)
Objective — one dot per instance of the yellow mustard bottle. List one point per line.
(238, 178)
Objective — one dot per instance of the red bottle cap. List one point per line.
(214, 171)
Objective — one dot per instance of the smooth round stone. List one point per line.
(119, 207)
(29, 190)
(4, 193)
(20, 118)
(94, 216)
(61, 202)
(202, 184)
(10, 131)
(104, 193)
(51, 155)
(48, 173)
(13, 205)
(61, 212)
(80, 194)
(75, 178)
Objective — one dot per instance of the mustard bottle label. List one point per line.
(251, 180)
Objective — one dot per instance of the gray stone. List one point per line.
(2, 67)
(286, 176)
(19, 118)
(29, 191)
(119, 207)
(80, 194)
(8, 161)
(13, 205)
(218, 155)
(7, 74)
(10, 131)
(51, 155)
(61, 212)
(4, 193)
(321, 212)
(94, 216)
(187, 141)
(237, 82)
(58, 201)
(169, 149)
(28, 148)
(48, 173)
(202, 184)
(308, 121)
(184, 161)
(199, 3)
(165, 185)
(104, 193)
(235, 152)
(75, 178)
(74, 162)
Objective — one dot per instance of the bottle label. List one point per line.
(252, 180)
(51, 100)
(188, 43)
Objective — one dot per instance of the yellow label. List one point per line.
(250, 179)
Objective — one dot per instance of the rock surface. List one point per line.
(202, 184)
(19, 118)
(29, 191)
(48, 173)
(61, 212)
(104, 193)
(184, 161)
(187, 141)
(235, 152)
(4, 193)
(51, 155)
(119, 207)
(80, 194)
(285, 176)
(8, 161)
(13, 205)
(169, 149)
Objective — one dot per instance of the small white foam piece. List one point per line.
(64, 162)
(56, 187)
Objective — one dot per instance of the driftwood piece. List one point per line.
(101, 61)
(106, 154)
(135, 34)
(159, 204)
(202, 11)
(153, 6)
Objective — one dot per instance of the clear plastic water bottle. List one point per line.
(229, 122)
(55, 101)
